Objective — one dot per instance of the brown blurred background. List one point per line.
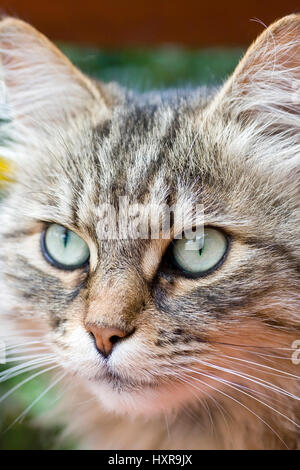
(113, 23)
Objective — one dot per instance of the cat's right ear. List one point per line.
(39, 86)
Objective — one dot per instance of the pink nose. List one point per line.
(106, 338)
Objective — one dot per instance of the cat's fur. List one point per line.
(209, 364)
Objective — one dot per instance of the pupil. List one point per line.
(201, 249)
(65, 237)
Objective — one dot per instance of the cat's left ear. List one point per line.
(263, 95)
(38, 85)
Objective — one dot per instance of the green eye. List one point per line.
(63, 248)
(201, 255)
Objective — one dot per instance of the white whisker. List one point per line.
(265, 366)
(26, 411)
(237, 387)
(11, 359)
(251, 378)
(236, 401)
(28, 379)
(26, 367)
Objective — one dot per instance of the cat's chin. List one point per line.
(148, 399)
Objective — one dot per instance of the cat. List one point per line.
(155, 345)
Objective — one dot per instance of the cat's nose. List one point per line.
(106, 337)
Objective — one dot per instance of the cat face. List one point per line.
(143, 322)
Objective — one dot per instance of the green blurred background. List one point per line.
(140, 69)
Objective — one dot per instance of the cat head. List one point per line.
(148, 324)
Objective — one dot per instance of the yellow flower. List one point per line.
(5, 171)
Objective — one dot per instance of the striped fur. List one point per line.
(210, 350)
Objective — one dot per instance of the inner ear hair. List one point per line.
(38, 81)
(268, 75)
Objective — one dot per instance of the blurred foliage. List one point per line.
(140, 69)
(21, 435)
(167, 66)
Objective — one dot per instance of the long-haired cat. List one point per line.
(156, 345)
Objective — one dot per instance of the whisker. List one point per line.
(21, 334)
(21, 368)
(228, 383)
(220, 408)
(167, 427)
(239, 403)
(12, 359)
(28, 379)
(264, 366)
(247, 365)
(18, 345)
(251, 378)
(260, 348)
(21, 417)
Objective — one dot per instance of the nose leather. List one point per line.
(106, 337)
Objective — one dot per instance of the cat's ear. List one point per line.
(38, 85)
(263, 94)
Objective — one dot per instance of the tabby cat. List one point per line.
(153, 344)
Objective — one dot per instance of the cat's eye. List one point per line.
(63, 248)
(201, 255)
